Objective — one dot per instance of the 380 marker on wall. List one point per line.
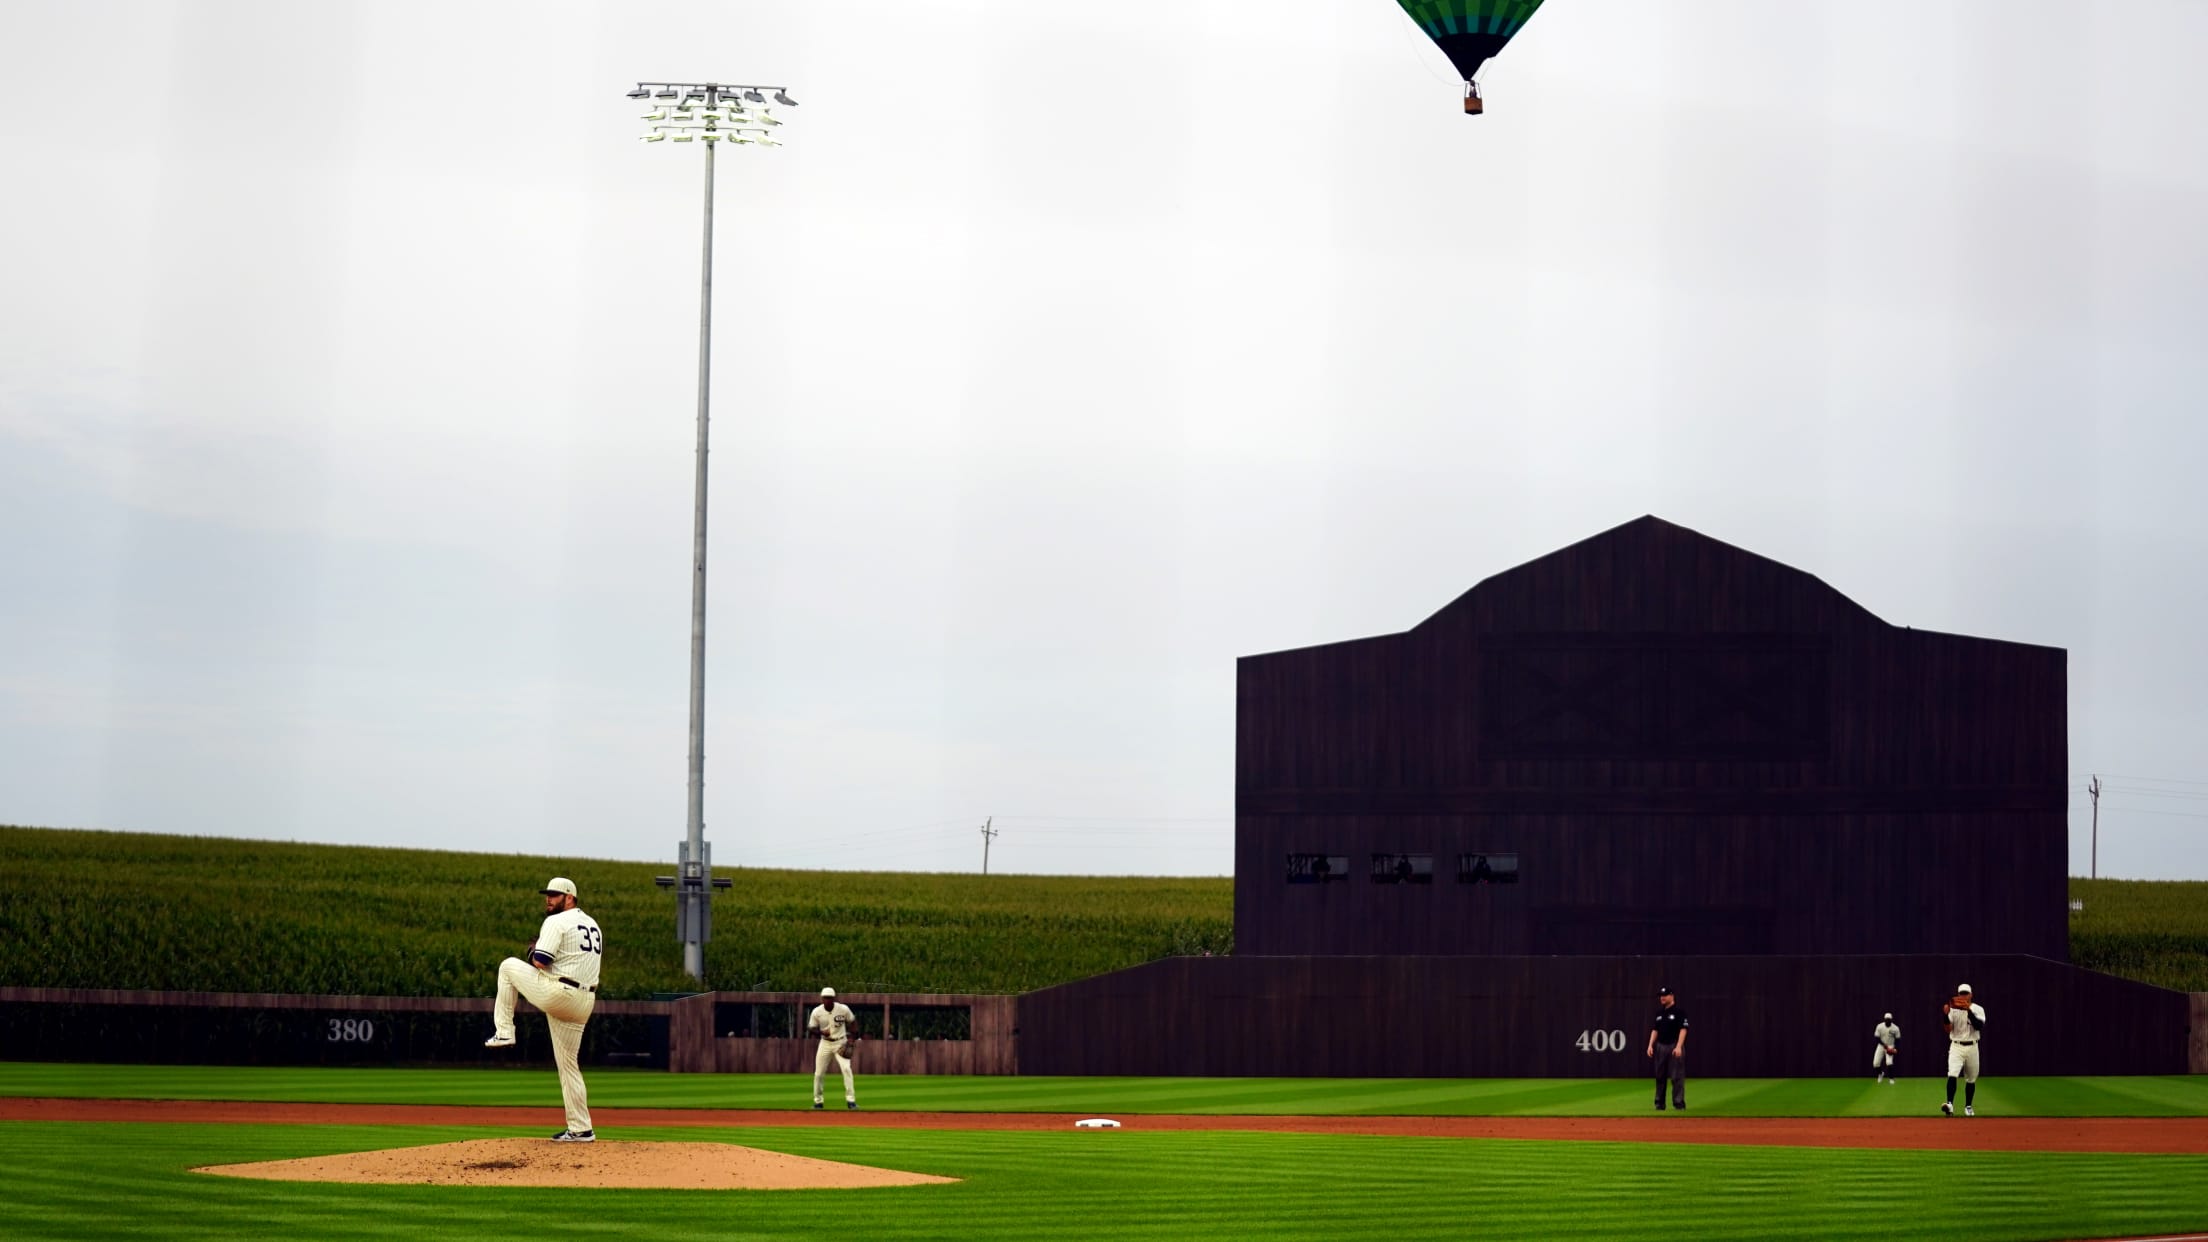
(1602, 1041)
(352, 1030)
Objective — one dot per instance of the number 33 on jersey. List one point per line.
(572, 939)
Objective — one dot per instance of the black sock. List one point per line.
(1970, 1094)
(1951, 1091)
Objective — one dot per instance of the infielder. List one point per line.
(560, 978)
(1965, 1022)
(837, 1030)
(1885, 1044)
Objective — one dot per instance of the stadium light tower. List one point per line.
(707, 113)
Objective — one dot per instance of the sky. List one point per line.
(1065, 354)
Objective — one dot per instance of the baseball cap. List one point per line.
(559, 884)
(1962, 987)
(830, 993)
(1889, 1017)
(1663, 991)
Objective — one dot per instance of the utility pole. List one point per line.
(2094, 787)
(988, 834)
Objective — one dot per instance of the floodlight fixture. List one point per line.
(754, 96)
(640, 93)
(784, 99)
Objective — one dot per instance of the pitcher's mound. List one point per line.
(541, 1162)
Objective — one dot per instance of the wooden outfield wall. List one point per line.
(1588, 1017)
(1239, 1017)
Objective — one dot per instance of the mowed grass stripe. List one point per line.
(84, 1180)
(537, 1086)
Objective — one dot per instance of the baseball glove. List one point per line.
(850, 1048)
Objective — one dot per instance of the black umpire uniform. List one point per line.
(1666, 1049)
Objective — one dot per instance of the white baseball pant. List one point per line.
(565, 1009)
(1962, 1062)
(821, 1058)
(1881, 1056)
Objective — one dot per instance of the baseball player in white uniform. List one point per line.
(560, 978)
(1885, 1043)
(837, 1030)
(1966, 1023)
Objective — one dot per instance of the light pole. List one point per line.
(710, 113)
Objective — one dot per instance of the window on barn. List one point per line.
(1487, 868)
(1318, 868)
(1402, 868)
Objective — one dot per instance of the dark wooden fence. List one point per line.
(711, 1037)
(905, 1033)
(1588, 1017)
(1445, 1017)
(261, 1028)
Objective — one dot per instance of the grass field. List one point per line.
(85, 1180)
(92, 1180)
(119, 910)
(1722, 1097)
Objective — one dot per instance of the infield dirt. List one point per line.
(540, 1162)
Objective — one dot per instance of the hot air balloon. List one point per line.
(1470, 31)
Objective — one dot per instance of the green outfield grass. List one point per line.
(1477, 1097)
(72, 1180)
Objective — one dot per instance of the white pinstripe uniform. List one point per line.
(569, 948)
(1962, 1041)
(833, 1021)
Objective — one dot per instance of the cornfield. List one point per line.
(2155, 931)
(130, 910)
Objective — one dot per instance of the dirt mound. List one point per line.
(541, 1162)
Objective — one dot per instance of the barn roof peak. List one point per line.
(1648, 573)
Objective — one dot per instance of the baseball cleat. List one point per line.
(1948, 1108)
(850, 1103)
(1969, 1111)
(818, 1104)
(499, 1041)
(576, 1136)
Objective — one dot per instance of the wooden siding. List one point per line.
(696, 1047)
(1509, 1017)
(2197, 1050)
(1673, 734)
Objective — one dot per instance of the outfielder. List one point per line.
(560, 978)
(1885, 1045)
(1965, 1022)
(838, 1031)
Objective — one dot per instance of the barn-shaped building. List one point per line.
(1652, 742)
(1478, 846)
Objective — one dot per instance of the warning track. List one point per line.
(2153, 1135)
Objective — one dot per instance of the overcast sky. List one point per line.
(1065, 354)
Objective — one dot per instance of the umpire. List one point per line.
(1667, 1049)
